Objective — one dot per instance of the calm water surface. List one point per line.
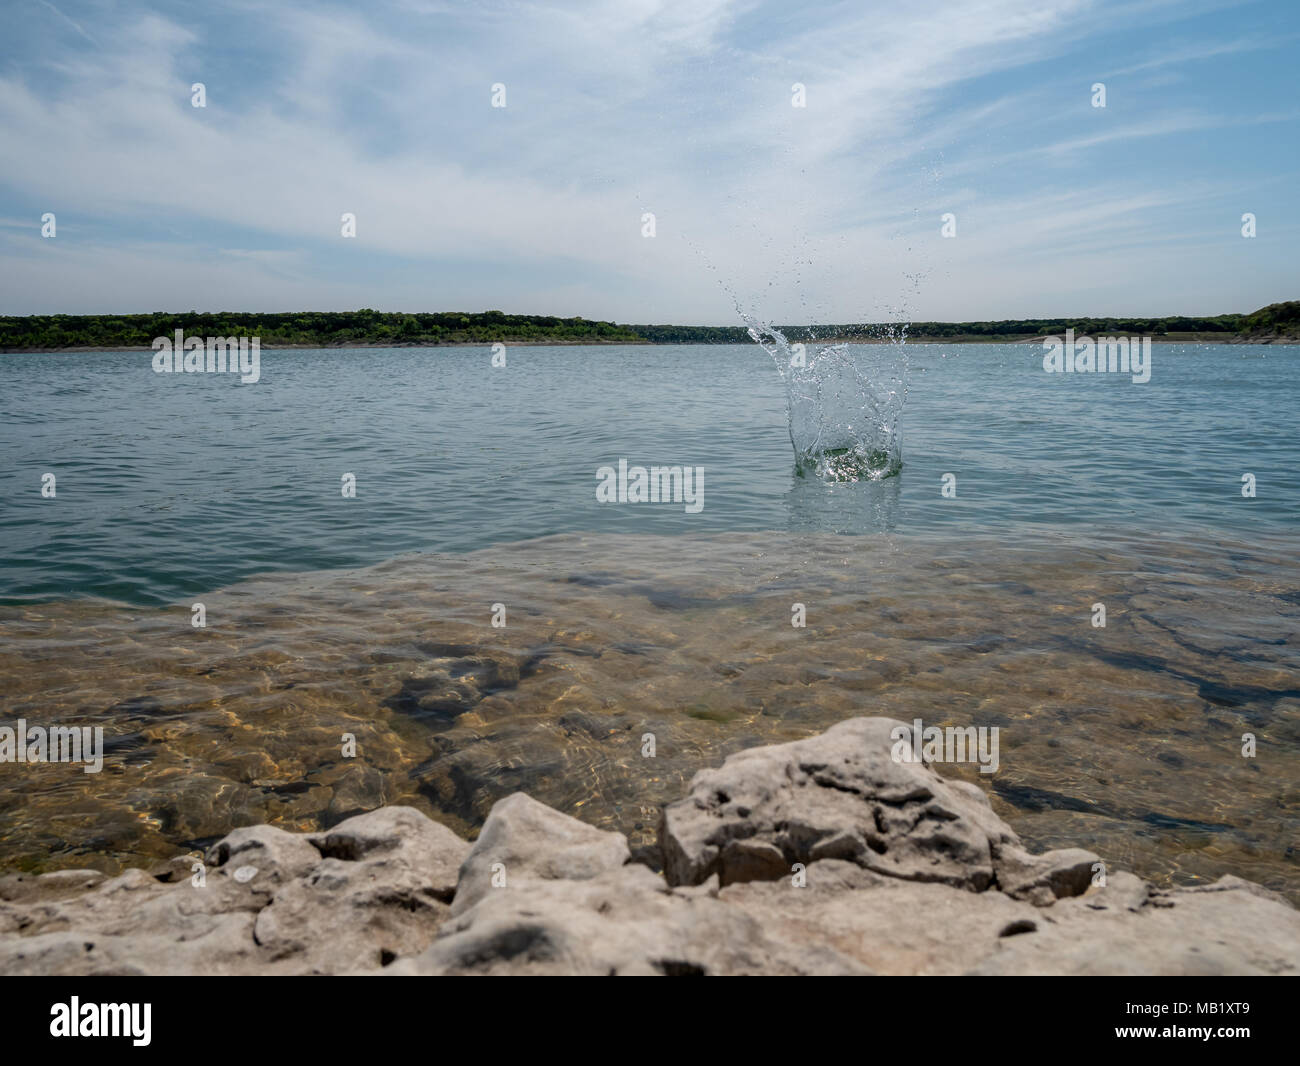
(169, 485)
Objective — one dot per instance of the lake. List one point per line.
(476, 500)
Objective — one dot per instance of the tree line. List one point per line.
(319, 328)
(367, 326)
(1281, 319)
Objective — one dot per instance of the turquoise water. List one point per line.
(169, 485)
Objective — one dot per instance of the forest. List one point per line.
(327, 329)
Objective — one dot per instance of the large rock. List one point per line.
(399, 838)
(883, 924)
(353, 898)
(381, 886)
(841, 796)
(523, 842)
(134, 924)
(624, 921)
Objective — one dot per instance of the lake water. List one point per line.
(476, 485)
(170, 485)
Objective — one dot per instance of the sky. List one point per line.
(831, 212)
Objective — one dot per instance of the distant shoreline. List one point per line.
(367, 328)
(1172, 338)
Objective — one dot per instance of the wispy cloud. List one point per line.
(615, 108)
(1196, 51)
(75, 25)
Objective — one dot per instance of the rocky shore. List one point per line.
(822, 856)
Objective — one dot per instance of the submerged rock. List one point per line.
(821, 856)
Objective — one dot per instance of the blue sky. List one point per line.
(830, 212)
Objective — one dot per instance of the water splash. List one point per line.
(845, 398)
(845, 401)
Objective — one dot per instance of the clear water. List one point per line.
(477, 485)
(171, 485)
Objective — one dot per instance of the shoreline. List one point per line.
(1189, 338)
(829, 855)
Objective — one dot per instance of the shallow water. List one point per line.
(968, 611)
(1125, 739)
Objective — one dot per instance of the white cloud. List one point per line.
(615, 107)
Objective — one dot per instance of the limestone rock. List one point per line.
(882, 924)
(1196, 933)
(1043, 879)
(381, 887)
(839, 795)
(623, 921)
(273, 855)
(531, 842)
(823, 856)
(1125, 892)
(402, 835)
(54, 885)
(354, 897)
